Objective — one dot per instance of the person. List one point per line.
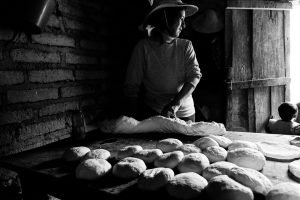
(163, 70)
(288, 112)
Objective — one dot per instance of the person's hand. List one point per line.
(170, 110)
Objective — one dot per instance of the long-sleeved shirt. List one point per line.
(163, 69)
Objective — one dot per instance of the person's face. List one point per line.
(179, 24)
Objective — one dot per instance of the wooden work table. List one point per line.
(43, 171)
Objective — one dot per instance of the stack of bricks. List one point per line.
(45, 77)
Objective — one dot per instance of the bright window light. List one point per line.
(295, 54)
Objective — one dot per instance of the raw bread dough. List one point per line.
(162, 124)
(205, 142)
(97, 153)
(92, 169)
(284, 191)
(128, 151)
(186, 186)
(278, 151)
(224, 188)
(129, 168)
(194, 162)
(169, 160)
(221, 140)
(215, 154)
(75, 153)
(251, 178)
(188, 148)
(242, 144)
(294, 169)
(168, 145)
(246, 157)
(155, 179)
(148, 155)
(218, 168)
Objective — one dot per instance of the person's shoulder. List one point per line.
(184, 41)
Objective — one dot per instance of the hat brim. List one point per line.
(189, 10)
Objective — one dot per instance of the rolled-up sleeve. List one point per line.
(134, 75)
(193, 72)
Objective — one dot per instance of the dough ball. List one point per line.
(92, 169)
(148, 155)
(186, 185)
(154, 179)
(246, 157)
(168, 145)
(284, 191)
(97, 153)
(215, 154)
(75, 153)
(194, 162)
(253, 179)
(205, 142)
(294, 169)
(218, 168)
(188, 148)
(224, 188)
(221, 140)
(128, 151)
(129, 167)
(242, 144)
(169, 160)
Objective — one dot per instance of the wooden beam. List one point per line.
(258, 83)
(258, 5)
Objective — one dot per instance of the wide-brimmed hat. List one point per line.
(160, 4)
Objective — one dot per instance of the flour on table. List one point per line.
(129, 125)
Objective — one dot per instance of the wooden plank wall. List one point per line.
(257, 58)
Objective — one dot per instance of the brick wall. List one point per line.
(77, 62)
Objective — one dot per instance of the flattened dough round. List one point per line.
(242, 144)
(148, 155)
(128, 151)
(188, 148)
(169, 160)
(284, 191)
(97, 153)
(278, 151)
(294, 169)
(205, 142)
(218, 168)
(215, 154)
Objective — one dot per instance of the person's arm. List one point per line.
(171, 109)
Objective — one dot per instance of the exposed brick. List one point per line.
(6, 136)
(16, 96)
(53, 21)
(76, 91)
(54, 40)
(33, 130)
(80, 59)
(87, 102)
(6, 34)
(58, 108)
(91, 74)
(1, 54)
(15, 116)
(11, 77)
(34, 142)
(46, 76)
(92, 45)
(76, 25)
(35, 56)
